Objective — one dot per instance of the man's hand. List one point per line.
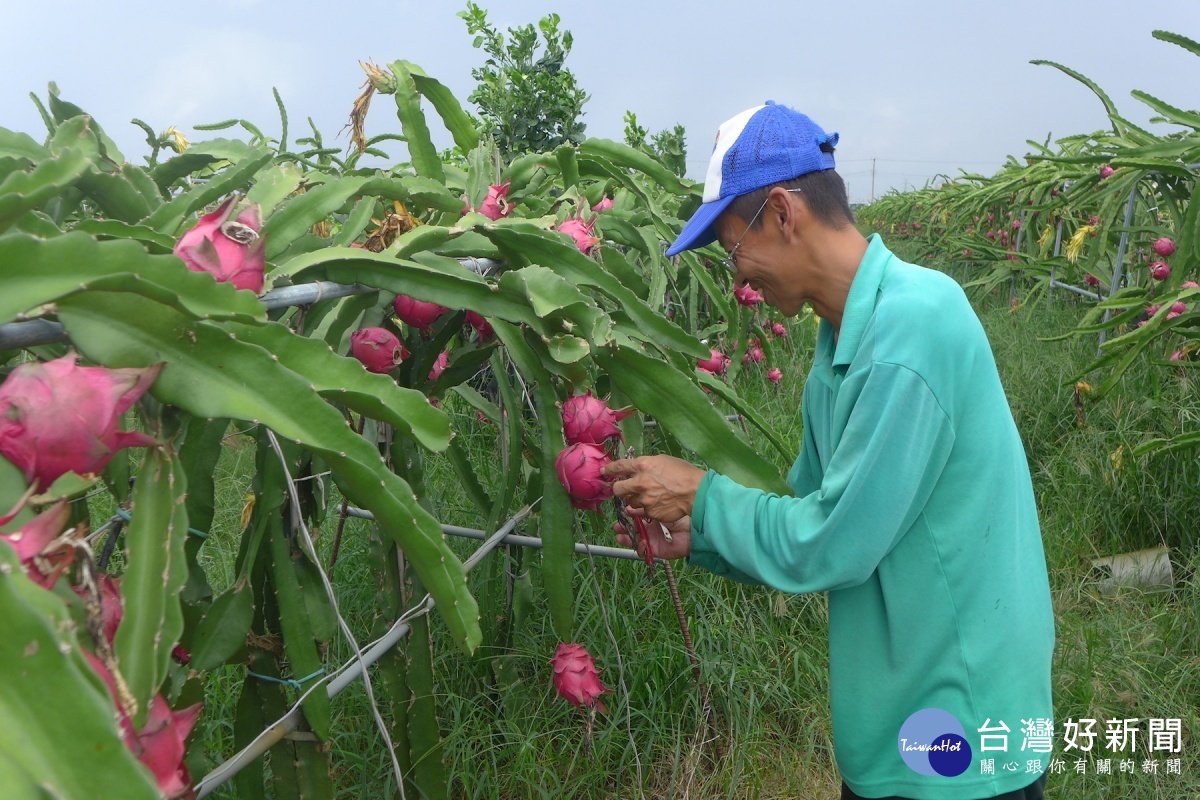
(663, 487)
(680, 545)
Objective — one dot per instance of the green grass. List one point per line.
(763, 654)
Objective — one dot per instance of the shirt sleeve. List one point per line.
(890, 455)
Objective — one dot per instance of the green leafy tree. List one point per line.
(666, 145)
(528, 100)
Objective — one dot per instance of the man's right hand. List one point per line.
(680, 545)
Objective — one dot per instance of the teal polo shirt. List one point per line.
(914, 510)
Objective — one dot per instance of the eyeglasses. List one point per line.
(729, 261)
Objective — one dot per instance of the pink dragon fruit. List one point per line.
(418, 313)
(715, 364)
(581, 232)
(378, 349)
(578, 467)
(56, 417)
(779, 329)
(1189, 285)
(1016, 224)
(1091, 280)
(481, 325)
(576, 678)
(589, 420)
(1106, 171)
(605, 204)
(1164, 246)
(747, 296)
(775, 375)
(228, 249)
(1177, 355)
(495, 205)
(1178, 307)
(160, 745)
(439, 365)
(1160, 270)
(754, 354)
(34, 537)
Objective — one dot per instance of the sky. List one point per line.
(920, 89)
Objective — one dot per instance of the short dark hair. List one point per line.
(824, 192)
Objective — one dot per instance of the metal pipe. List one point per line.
(524, 541)
(1117, 267)
(352, 670)
(17, 335)
(1060, 285)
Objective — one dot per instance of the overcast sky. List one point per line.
(922, 87)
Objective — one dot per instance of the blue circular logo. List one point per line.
(934, 742)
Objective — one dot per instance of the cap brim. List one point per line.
(699, 229)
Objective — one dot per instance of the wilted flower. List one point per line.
(378, 349)
(576, 677)
(578, 467)
(56, 417)
(229, 249)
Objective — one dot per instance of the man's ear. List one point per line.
(786, 210)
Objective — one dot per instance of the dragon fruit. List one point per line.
(1106, 171)
(439, 365)
(754, 354)
(774, 375)
(589, 420)
(481, 325)
(1091, 280)
(747, 296)
(228, 249)
(605, 204)
(576, 678)
(581, 232)
(1160, 270)
(34, 537)
(495, 205)
(578, 467)
(56, 417)
(378, 349)
(779, 329)
(1164, 246)
(418, 313)
(160, 744)
(715, 364)
(1189, 285)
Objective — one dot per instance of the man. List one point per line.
(913, 503)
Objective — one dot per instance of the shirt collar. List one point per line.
(860, 305)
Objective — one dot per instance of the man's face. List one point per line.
(758, 259)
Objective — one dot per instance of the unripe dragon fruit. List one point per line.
(576, 678)
(56, 417)
(418, 313)
(228, 249)
(1160, 270)
(747, 296)
(589, 420)
(1164, 246)
(578, 467)
(378, 349)
(581, 232)
(775, 375)
(715, 364)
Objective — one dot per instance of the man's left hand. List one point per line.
(664, 486)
